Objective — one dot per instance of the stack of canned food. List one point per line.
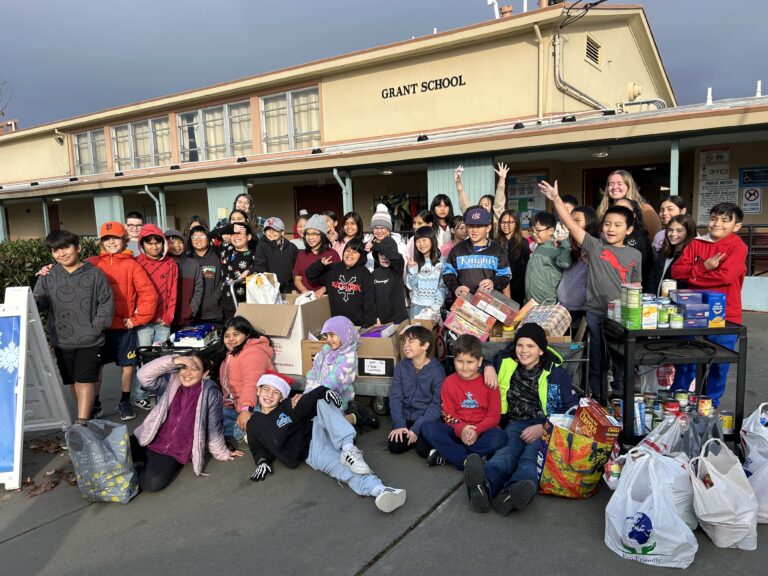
(638, 311)
(651, 408)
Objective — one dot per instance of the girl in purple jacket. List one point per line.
(186, 420)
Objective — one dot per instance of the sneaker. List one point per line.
(390, 499)
(353, 458)
(516, 497)
(364, 416)
(144, 404)
(126, 411)
(474, 480)
(96, 411)
(434, 458)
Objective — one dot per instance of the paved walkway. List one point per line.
(303, 522)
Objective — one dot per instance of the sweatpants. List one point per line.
(330, 431)
(159, 469)
(442, 437)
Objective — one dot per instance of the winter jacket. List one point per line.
(662, 270)
(189, 294)
(388, 286)
(555, 392)
(164, 274)
(467, 266)
(134, 295)
(233, 263)
(350, 290)
(426, 285)
(278, 259)
(639, 241)
(240, 373)
(415, 396)
(210, 269)
(286, 432)
(572, 290)
(81, 306)
(728, 277)
(466, 402)
(518, 263)
(544, 271)
(161, 377)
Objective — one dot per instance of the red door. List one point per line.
(318, 199)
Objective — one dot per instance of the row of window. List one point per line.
(289, 121)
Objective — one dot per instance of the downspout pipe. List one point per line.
(564, 86)
(540, 77)
(158, 208)
(346, 190)
(658, 102)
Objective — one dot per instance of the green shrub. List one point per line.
(21, 259)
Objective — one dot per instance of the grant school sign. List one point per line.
(424, 86)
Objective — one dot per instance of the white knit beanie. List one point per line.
(381, 217)
(317, 222)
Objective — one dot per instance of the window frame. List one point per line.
(201, 143)
(93, 163)
(153, 153)
(291, 129)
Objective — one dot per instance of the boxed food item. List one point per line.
(194, 336)
(467, 319)
(680, 297)
(696, 323)
(650, 316)
(593, 421)
(695, 311)
(716, 302)
(523, 312)
(497, 305)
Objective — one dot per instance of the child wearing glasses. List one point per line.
(546, 265)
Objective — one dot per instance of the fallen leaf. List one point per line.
(51, 472)
(42, 488)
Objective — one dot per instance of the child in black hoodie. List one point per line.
(275, 254)
(388, 286)
(348, 283)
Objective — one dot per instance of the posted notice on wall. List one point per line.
(714, 163)
(712, 192)
(752, 200)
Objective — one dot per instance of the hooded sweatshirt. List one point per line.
(545, 269)
(468, 265)
(350, 290)
(388, 287)
(134, 295)
(164, 274)
(415, 396)
(727, 278)
(189, 294)
(336, 369)
(277, 258)
(240, 372)
(210, 268)
(81, 305)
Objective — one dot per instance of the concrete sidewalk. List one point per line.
(301, 521)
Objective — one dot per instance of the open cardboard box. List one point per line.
(287, 325)
(377, 357)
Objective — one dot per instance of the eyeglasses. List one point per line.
(311, 233)
(507, 222)
(199, 237)
(134, 225)
(540, 230)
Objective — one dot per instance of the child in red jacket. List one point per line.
(717, 262)
(471, 410)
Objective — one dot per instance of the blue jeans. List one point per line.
(718, 373)
(516, 461)
(231, 429)
(147, 335)
(442, 437)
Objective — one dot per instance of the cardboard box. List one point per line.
(680, 297)
(695, 311)
(717, 307)
(377, 357)
(309, 349)
(430, 325)
(523, 312)
(497, 305)
(695, 323)
(593, 421)
(287, 325)
(467, 319)
(498, 336)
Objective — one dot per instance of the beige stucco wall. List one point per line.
(77, 215)
(25, 220)
(34, 158)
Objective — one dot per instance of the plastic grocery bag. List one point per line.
(754, 444)
(262, 289)
(699, 429)
(667, 437)
(725, 503)
(101, 455)
(641, 522)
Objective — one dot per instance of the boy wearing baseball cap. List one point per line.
(276, 255)
(311, 428)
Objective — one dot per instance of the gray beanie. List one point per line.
(318, 222)
(381, 217)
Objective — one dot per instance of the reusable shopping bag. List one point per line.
(101, 455)
(754, 445)
(262, 289)
(698, 431)
(723, 499)
(555, 319)
(569, 464)
(641, 521)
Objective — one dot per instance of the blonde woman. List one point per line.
(619, 185)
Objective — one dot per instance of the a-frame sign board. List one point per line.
(31, 397)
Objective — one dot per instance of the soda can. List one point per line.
(693, 400)
(658, 409)
(672, 407)
(639, 414)
(617, 407)
(727, 420)
(682, 397)
(705, 405)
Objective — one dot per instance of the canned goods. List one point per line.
(682, 398)
(617, 407)
(662, 325)
(634, 297)
(705, 405)
(648, 398)
(639, 414)
(693, 400)
(667, 285)
(658, 409)
(727, 420)
(672, 407)
(663, 314)
(676, 321)
(663, 301)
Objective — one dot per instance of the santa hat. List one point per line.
(278, 381)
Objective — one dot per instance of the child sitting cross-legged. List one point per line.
(471, 411)
(311, 428)
(532, 384)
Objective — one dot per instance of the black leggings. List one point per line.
(158, 469)
(421, 446)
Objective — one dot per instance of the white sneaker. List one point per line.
(390, 499)
(353, 458)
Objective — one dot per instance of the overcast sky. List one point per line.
(66, 58)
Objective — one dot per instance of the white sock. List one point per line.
(377, 490)
(347, 446)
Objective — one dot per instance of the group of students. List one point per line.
(484, 419)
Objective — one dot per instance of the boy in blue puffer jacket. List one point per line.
(533, 385)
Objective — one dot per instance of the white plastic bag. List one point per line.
(667, 437)
(754, 440)
(759, 483)
(262, 289)
(725, 503)
(641, 523)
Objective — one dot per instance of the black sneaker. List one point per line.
(96, 411)
(435, 459)
(516, 497)
(364, 416)
(126, 410)
(474, 480)
(144, 404)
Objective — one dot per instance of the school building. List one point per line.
(552, 97)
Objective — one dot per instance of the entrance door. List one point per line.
(652, 181)
(318, 199)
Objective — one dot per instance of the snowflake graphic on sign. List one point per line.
(9, 357)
